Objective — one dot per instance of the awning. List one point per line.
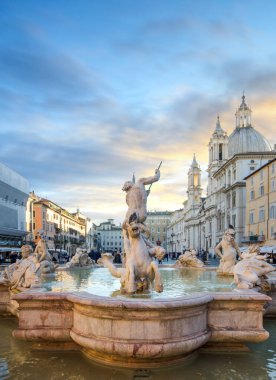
(10, 232)
(9, 249)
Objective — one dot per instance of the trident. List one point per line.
(148, 191)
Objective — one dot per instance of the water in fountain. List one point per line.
(177, 282)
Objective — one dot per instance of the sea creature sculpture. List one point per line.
(140, 269)
(251, 271)
(189, 259)
(80, 259)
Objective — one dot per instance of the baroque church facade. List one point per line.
(202, 221)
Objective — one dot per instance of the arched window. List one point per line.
(220, 152)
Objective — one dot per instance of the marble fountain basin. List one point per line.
(138, 332)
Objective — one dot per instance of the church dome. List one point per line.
(247, 139)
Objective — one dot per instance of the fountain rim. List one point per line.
(193, 299)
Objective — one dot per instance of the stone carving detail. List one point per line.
(25, 272)
(140, 269)
(80, 259)
(189, 259)
(227, 250)
(252, 269)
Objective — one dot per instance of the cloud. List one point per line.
(77, 137)
(85, 165)
(47, 69)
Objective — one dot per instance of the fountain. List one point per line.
(79, 260)
(134, 330)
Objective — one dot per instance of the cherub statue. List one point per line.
(227, 250)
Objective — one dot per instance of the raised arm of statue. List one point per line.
(150, 180)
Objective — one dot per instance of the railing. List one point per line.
(253, 238)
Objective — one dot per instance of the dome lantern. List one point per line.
(245, 138)
(243, 115)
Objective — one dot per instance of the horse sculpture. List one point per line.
(140, 269)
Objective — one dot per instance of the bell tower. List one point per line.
(194, 184)
(218, 152)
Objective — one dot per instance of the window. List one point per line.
(261, 214)
(251, 195)
(234, 220)
(252, 168)
(229, 177)
(273, 185)
(234, 200)
(228, 201)
(252, 181)
(234, 174)
(272, 213)
(34, 214)
(273, 168)
(251, 217)
(228, 220)
(261, 190)
(261, 176)
(220, 152)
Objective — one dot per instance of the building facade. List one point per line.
(157, 222)
(261, 205)
(14, 190)
(61, 229)
(110, 237)
(176, 241)
(244, 151)
(231, 159)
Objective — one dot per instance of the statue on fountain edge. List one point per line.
(27, 272)
(227, 250)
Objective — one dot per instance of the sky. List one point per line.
(92, 91)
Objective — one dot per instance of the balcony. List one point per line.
(253, 239)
